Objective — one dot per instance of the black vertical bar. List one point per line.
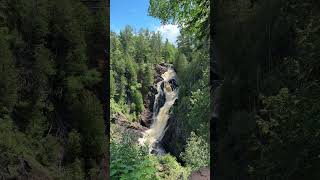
(106, 87)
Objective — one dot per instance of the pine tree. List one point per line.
(138, 101)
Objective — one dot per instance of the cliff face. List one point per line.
(174, 139)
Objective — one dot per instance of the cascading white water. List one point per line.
(154, 135)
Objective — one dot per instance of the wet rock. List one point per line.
(160, 102)
(173, 140)
(173, 84)
(160, 69)
(158, 79)
(147, 113)
(146, 118)
(158, 149)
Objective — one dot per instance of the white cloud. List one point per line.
(170, 32)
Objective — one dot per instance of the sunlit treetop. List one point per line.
(192, 15)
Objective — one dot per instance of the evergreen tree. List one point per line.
(112, 85)
(47, 64)
(168, 52)
(8, 74)
(88, 112)
(138, 101)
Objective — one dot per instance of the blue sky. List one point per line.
(135, 14)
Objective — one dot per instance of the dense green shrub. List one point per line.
(130, 161)
(73, 148)
(197, 153)
(169, 168)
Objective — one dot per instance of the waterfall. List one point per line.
(166, 89)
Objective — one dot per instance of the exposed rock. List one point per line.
(158, 149)
(173, 84)
(158, 79)
(131, 125)
(173, 140)
(133, 128)
(201, 174)
(147, 113)
(146, 118)
(160, 101)
(160, 69)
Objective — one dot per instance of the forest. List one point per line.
(139, 61)
(51, 114)
(242, 82)
(265, 89)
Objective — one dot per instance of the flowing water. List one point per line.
(153, 136)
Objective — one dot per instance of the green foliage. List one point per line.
(138, 101)
(191, 14)
(180, 63)
(199, 106)
(126, 39)
(112, 85)
(132, 59)
(88, 112)
(168, 52)
(74, 146)
(142, 46)
(131, 73)
(145, 77)
(197, 153)
(288, 123)
(191, 61)
(8, 74)
(270, 89)
(156, 47)
(131, 161)
(16, 147)
(74, 171)
(118, 108)
(50, 150)
(46, 64)
(171, 169)
(193, 109)
(91, 78)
